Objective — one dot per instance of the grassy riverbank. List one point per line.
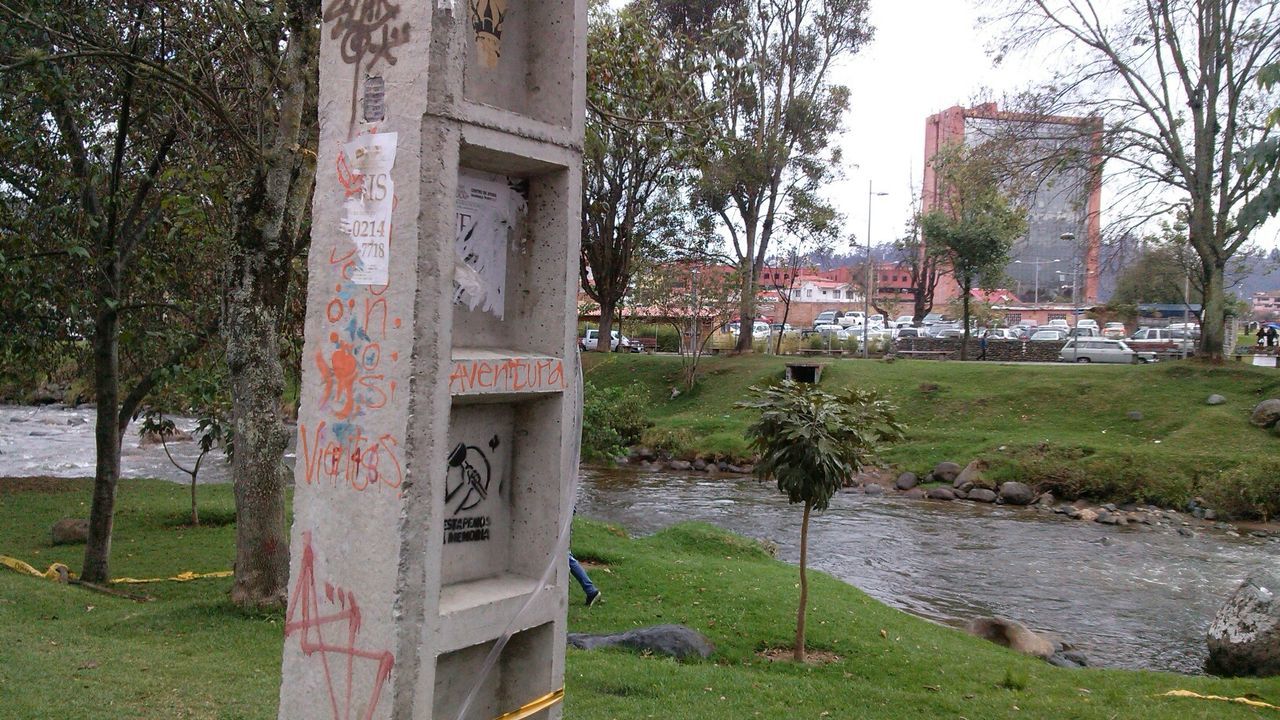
(67, 652)
(1064, 427)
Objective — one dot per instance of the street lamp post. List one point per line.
(866, 294)
(1075, 268)
(1036, 263)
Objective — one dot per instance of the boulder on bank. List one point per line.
(972, 476)
(945, 472)
(1266, 413)
(906, 481)
(1016, 493)
(1244, 637)
(940, 493)
(1011, 634)
(1215, 399)
(982, 495)
(676, 641)
(70, 531)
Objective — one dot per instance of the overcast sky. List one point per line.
(927, 55)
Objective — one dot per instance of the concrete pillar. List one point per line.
(438, 428)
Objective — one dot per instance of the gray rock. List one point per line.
(946, 472)
(734, 469)
(940, 493)
(1210, 514)
(960, 493)
(671, 640)
(1186, 532)
(680, 465)
(16, 419)
(914, 494)
(1133, 415)
(1069, 659)
(699, 464)
(1244, 637)
(1011, 634)
(873, 489)
(70, 531)
(982, 495)
(962, 487)
(1046, 499)
(1266, 413)
(1016, 493)
(972, 475)
(1215, 399)
(906, 481)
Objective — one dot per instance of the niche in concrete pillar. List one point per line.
(507, 71)
(523, 674)
(511, 253)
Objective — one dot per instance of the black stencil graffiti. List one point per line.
(468, 479)
(367, 32)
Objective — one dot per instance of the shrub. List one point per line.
(1249, 491)
(612, 420)
(676, 442)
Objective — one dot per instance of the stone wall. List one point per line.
(1002, 350)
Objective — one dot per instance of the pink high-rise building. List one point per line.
(1065, 199)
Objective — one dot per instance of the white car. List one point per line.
(904, 321)
(1059, 323)
(836, 331)
(851, 318)
(592, 336)
(1087, 323)
(1102, 350)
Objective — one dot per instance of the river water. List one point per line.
(1143, 599)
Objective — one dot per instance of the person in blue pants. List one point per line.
(593, 593)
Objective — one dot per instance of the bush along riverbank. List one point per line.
(188, 653)
(1174, 435)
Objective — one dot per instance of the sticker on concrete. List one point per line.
(488, 209)
(370, 199)
(487, 17)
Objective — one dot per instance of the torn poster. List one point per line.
(370, 197)
(488, 209)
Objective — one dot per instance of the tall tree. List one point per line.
(642, 111)
(768, 71)
(100, 143)
(974, 226)
(1174, 81)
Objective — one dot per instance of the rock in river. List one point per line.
(982, 495)
(1016, 493)
(1244, 637)
(940, 493)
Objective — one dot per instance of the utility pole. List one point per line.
(866, 295)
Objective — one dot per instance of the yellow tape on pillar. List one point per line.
(56, 572)
(534, 707)
(1237, 700)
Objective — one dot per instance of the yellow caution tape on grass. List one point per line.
(1239, 700)
(184, 576)
(56, 572)
(535, 706)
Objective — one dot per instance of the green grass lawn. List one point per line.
(1063, 426)
(67, 652)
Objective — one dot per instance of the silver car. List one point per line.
(1102, 350)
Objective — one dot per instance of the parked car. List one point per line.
(850, 319)
(948, 332)
(784, 328)
(1048, 334)
(591, 337)
(905, 321)
(908, 332)
(1001, 334)
(1114, 331)
(827, 317)
(1160, 337)
(1102, 350)
(1087, 323)
(932, 319)
(759, 329)
(1059, 323)
(833, 330)
(1079, 331)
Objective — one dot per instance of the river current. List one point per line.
(1142, 598)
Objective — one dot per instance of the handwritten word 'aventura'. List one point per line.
(507, 375)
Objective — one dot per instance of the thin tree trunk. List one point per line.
(106, 381)
(964, 345)
(257, 378)
(195, 513)
(798, 652)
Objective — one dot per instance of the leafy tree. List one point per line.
(641, 109)
(696, 297)
(97, 177)
(1263, 160)
(1174, 82)
(811, 443)
(767, 69)
(975, 225)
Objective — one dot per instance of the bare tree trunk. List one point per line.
(604, 335)
(798, 652)
(106, 381)
(964, 344)
(1213, 314)
(195, 512)
(257, 379)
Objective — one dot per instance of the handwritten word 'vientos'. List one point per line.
(507, 376)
